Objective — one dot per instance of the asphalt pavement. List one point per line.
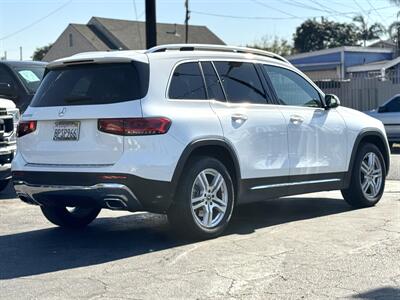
(311, 246)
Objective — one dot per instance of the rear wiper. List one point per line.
(77, 99)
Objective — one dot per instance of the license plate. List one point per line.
(66, 131)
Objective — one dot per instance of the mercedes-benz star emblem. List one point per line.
(62, 112)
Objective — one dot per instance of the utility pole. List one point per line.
(151, 27)
(187, 17)
(20, 53)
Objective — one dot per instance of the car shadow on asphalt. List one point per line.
(8, 193)
(110, 239)
(387, 293)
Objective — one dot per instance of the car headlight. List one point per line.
(15, 114)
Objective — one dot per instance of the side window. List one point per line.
(214, 88)
(6, 78)
(187, 82)
(241, 82)
(394, 105)
(291, 88)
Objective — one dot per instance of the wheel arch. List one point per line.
(373, 136)
(214, 147)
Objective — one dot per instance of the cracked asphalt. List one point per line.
(311, 246)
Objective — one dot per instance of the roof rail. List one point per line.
(206, 47)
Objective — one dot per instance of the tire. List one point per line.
(190, 213)
(373, 191)
(4, 184)
(75, 218)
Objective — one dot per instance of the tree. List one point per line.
(313, 35)
(393, 31)
(275, 45)
(365, 32)
(40, 52)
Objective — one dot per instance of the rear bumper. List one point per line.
(113, 191)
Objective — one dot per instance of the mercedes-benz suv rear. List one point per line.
(190, 131)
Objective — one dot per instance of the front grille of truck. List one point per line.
(6, 127)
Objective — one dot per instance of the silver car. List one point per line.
(389, 114)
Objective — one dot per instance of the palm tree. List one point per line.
(365, 32)
(393, 30)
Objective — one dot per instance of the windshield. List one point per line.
(30, 76)
(93, 84)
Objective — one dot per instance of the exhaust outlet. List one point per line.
(115, 204)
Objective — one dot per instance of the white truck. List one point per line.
(9, 117)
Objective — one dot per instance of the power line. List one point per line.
(301, 5)
(273, 8)
(36, 22)
(326, 8)
(242, 17)
(282, 18)
(361, 8)
(377, 12)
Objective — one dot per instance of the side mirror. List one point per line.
(381, 109)
(331, 101)
(7, 90)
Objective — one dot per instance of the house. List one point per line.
(387, 44)
(103, 34)
(343, 62)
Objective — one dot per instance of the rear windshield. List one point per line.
(93, 84)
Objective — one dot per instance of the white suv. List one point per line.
(190, 131)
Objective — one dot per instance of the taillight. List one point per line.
(134, 126)
(25, 127)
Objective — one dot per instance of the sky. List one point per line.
(33, 23)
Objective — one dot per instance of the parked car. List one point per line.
(389, 114)
(19, 81)
(190, 131)
(9, 117)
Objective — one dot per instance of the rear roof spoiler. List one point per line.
(80, 61)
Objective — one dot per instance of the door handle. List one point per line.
(296, 119)
(239, 118)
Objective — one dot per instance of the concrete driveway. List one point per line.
(307, 247)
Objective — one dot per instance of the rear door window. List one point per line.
(241, 82)
(93, 84)
(187, 83)
(214, 88)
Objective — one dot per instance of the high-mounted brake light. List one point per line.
(25, 127)
(134, 126)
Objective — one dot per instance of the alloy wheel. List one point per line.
(371, 175)
(209, 198)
